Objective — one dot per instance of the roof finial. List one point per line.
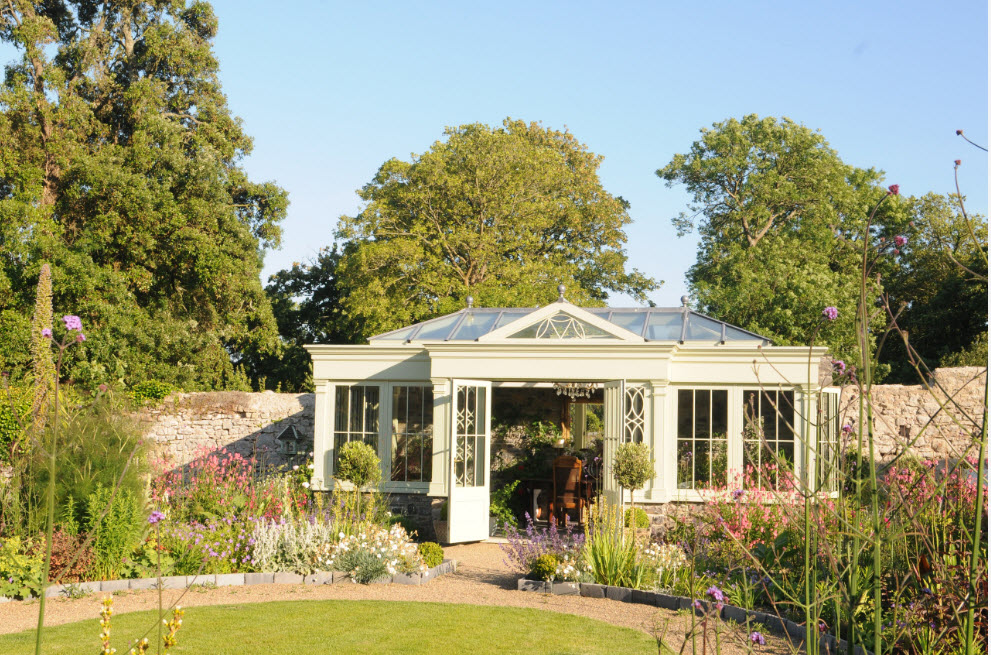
(684, 301)
(470, 301)
(560, 292)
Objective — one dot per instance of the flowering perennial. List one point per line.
(392, 548)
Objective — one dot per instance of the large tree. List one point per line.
(779, 216)
(120, 166)
(503, 214)
(782, 221)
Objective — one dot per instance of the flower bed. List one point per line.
(827, 643)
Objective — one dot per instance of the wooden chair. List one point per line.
(568, 494)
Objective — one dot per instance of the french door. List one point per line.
(468, 502)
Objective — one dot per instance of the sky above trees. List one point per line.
(329, 91)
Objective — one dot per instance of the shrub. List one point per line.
(220, 546)
(637, 517)
(499, 505)
(372, 553)
(120, 531)
(99, 447)
(544, 567)
(66, 566)
(20, 568)
(151, 390)
(290, 545)
(432, 554)
(358, 464)
(522, 548)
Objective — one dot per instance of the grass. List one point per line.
(335, 626)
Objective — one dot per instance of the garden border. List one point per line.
(235, 580)
(775, 624)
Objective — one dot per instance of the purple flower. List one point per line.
(757, 638)
(155, 517)
(716, 593)
(847, 429)
(839, 366)
(738, 494)
(830, 313)
(697, 605)
(900, 241)
(47, 333)
(72, 322)
(80, 337)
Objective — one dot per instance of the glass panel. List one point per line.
(767, 414)
(702, 399)
(685, 404)
(720, 413)
(632, 321)
(701, 328)
(438, 329)
(720, 460)
(701, 463)
(356, 410)
(371, 409)
(664, 326)
(510, 315)
(341, 409)
(475, 325)
(685, 464)
(736, 334)
(398, 335)
(786, 410)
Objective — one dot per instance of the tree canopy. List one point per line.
(782, 221)
(120, 166)
(502, 214)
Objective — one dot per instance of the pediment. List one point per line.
(561, 322)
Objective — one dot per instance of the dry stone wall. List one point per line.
(188, 425)
(939, 422)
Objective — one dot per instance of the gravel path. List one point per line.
(482, 579)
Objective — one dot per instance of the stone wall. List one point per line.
(187, 425)
(924, 419)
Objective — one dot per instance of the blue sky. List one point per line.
(330, 90)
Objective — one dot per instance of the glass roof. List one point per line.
(677, 324)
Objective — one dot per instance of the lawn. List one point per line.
(332, 626)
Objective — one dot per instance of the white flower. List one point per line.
(295, 467)
(306, 485)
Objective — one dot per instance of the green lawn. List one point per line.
(333, 626)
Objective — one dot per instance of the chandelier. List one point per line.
(575, 390)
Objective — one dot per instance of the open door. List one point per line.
(468, 503)
(613, 413)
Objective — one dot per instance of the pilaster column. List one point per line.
(442, 437)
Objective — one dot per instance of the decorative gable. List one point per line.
(561, 321)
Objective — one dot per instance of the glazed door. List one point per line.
(612, 427)
(468, 503)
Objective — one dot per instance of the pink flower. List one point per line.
(80, 337)
(900, 241)
(847, 429)
(72, 322)
(839, 366)
(893, 190)
(47, 333)
(830, 313)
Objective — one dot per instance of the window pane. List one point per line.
(720, 413)
(702, 400)
(767, 415)
(685, 404)
(786, 408)
(702, 463)
(341, 409)
(371, 409)
(357, 410)
(685, 464)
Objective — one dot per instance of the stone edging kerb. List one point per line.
(238, 580)
(827, 642)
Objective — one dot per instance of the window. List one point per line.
(469, 437)
(562, 326)
(636, 412)
(702, 447)
(768, 437)
(356, 416)
(827, 453)
(412, 433)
